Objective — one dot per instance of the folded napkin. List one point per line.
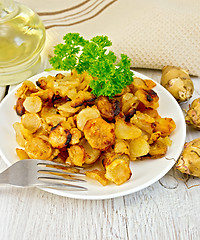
(152, 33)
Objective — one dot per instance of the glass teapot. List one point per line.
(22, 38)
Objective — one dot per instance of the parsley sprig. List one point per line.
(94, 57)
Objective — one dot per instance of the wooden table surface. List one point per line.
(165, 210)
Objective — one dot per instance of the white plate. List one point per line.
(144, 173)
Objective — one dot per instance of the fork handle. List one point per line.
(4, 179)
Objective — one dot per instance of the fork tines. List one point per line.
(62, 175)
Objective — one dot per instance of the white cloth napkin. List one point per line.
(152, 33)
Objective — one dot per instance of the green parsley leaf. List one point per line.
(94, 57)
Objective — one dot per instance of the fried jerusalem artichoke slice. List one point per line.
(148, 97)
(81, 98)
(19, 107)
(75, 136)
(129, 101)
(144, 122)
(97, 175)
(32, 104)
(31, 121)
(138, 147)
(158, 149)
(99, 134)
(86, 114)
(91, 154)
(21, 154)
(126, 130)
(117, 169)
(108, 109)
(189, 161)
(165, 125)
(59, 137)
(76, 155)
(38, 148)
(139, 83)
(26, 89)
(121, 147)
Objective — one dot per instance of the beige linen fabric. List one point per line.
(153, 33)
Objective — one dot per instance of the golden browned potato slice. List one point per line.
(149, 83)
(38, 148)
(99, 134)
(107, 108)
(32, 104)
(189, 161)
(91, 155)
(126, 130)
(85, 79)
(54, 154)
(154, 137)
(22, 134)
(165, 125)
(43, 130)
(55, 119)
(42, 82)
(121, 147)
(148, 97)
(97, 175)
(166, 140)
(19, 136)
(110, 155)
(138, 83)
(48, 111)
(118, 171)
(60, 76)
(151, 112)
(69, 123)
(144, 122)
(44, 137)
(59, 137)
(46, 94)
(31, 121)
(158, 149)
(51, 116)
(62, 86)
(76, 155)
(86, 114)
(138, 147)
(76, 136)
(21, 154)
(26, 88)
(81, 98)
(67, 110)
(128, 100)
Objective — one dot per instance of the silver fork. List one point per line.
(43, 173)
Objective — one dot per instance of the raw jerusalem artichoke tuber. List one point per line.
(193, 114)
(189, 161)
(177, 81)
